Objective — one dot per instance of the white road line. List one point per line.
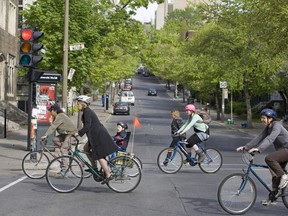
(12, 183)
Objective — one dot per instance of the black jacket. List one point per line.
(98, 137)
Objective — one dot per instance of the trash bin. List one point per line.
(244, 125)
(228, 121)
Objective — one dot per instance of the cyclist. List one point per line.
(176, 124)
(63, 125)
(274, 133)
(121, 136)
(99, 139)
(201, 132)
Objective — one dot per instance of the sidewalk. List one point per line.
(14, 147)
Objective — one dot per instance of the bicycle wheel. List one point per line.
(64, 174)
(169, 160)
(237, 193)
(285, 198)
(126, 172)
(137, 159)
(34, 164)
(213, 161)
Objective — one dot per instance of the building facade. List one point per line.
(167, 7)
(8, 50)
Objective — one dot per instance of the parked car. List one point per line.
(127, 87)
(127, 96)
(121, 108)
(152, 92)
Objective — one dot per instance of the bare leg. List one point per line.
(87, 150)
(105, 167)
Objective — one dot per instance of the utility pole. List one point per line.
(65, 57)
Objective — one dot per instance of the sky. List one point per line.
(145, 15)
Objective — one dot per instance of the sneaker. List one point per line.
(268, 202)
(283, 182)
(106, 180)
(186, 161)
(201, 157)
(165, 163)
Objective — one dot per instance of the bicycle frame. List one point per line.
(76, 153)
(181, 147)
(250, 171)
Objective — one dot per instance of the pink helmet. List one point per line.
(190, 107)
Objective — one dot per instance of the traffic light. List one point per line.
(29, 48)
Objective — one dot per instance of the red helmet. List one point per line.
(190, 107)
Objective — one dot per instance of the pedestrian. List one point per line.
(103, 100)
(99, 140)
(201, 132)
(273, 134)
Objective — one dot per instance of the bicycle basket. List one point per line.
(120, 161)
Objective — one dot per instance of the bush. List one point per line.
(239, 108)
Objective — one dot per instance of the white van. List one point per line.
(127, 96)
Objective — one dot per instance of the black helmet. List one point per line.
(123, 125)
(269, 113)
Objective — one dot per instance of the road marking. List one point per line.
(12, 183)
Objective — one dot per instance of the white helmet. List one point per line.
(84, 98)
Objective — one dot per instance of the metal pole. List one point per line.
(65, 57)
(231, 107)
(223, 105)
(5, 123)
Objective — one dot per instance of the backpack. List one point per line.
(206, 117)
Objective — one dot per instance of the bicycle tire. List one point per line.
(285, 198)
(213, 161)
(34, 164)
(137, 159)
(124, 171)
(231, 200)
(64, 180)
(175, 162)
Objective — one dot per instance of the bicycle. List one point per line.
(170, 160)
(124, 169)
(237, 192)
(34, 163)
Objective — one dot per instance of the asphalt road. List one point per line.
(189, 192)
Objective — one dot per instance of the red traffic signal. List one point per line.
(29, 48)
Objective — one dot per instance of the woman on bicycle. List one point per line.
(98, 137)
(273, 134)
(201, 132)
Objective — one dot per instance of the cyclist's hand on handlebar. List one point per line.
(253, 150)
(43, 137)
(241, 148)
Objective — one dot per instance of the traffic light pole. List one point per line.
(65, 57)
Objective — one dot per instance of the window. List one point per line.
(2, 13)
(12, 16)
(11, 75)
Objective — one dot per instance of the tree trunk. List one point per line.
(247, 101)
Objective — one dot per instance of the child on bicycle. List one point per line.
(121, 135)
(274, 133)
(176, 124)
(201, 132)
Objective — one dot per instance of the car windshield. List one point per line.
(121, 104)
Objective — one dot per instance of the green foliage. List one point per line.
(110, 35)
